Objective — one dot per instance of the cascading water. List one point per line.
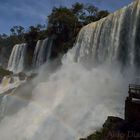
(75, 100)
(3, 102)
(42, 52)
(17, 58)
(112, 39)
(7, 86)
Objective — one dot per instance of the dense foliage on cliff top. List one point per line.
(63, 24)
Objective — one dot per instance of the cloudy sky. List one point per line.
(31, 12)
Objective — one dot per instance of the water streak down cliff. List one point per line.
(113, 39)
(42, 52)
(17, 58)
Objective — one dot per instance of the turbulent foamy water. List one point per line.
(76, 99)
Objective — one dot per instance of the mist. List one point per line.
(68, 103)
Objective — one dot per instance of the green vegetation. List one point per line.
(63, 25)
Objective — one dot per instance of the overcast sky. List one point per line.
(32, 12)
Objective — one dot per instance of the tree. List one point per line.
(78, 9)
(91, 10)
(101, 14)
(93, 13)
(40, 27)
(87, 13)
(17, 30)
(31, 36)
(17, 34)
(65, 23)
(62, 22)
(79, 12)
(4, 36)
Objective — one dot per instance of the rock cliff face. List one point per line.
(4, 56)
(118, 129)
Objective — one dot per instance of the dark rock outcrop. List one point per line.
(116, 128)
(4, 72)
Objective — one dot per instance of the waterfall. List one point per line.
(115, 39)
(42, 52)
(17, 58)
(3, 101)
(74, 101)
